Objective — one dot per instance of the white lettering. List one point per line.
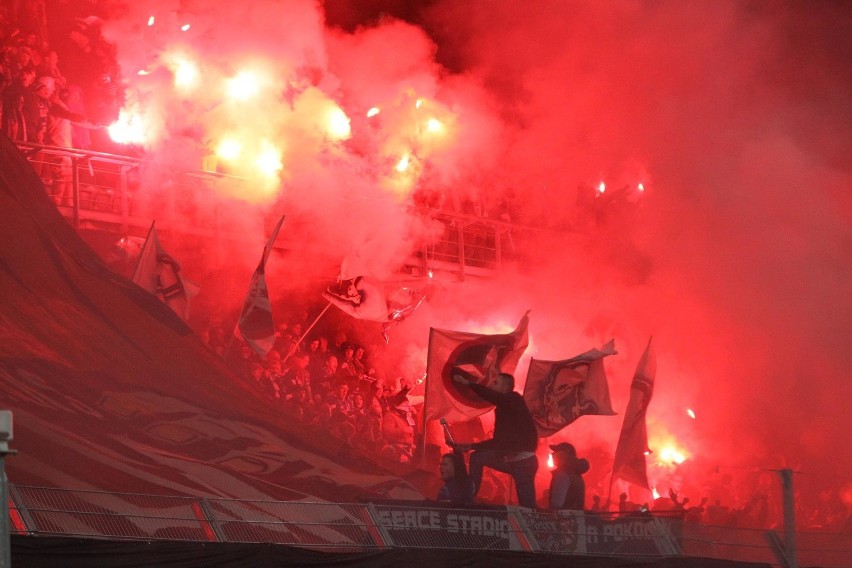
(398, 519)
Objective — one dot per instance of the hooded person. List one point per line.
(458, 488)
(567, 487)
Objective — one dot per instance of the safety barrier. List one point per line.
(103, 191)
(41, 511)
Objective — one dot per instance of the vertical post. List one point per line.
(498, 249)
(124, 198)
(461, 227)
(75, 191)
(5, 436)
(789, 517)
(425, 411)
(5, 556)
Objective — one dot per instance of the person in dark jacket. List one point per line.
(457, 488)
(567, 487)
(512, 448)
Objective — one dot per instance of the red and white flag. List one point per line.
(158, 273)
(476, 356)
(361, 297)
(255, 325)
(629, 463)
(559, 392)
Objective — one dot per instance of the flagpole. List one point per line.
(425, 409)
(257, 285)
(139, 258)
(228, 348)
(609, 495)
(310, 327)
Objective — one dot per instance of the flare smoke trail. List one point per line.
(731, 114)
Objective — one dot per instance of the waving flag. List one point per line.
(255, 325)
(361, 297)
(367, 298)
(158, 273)
(479, 358)
(559, 392)
(632, 448)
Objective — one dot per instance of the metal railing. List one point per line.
(41, 511)
(104, 191)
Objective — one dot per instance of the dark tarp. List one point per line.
(110, 390)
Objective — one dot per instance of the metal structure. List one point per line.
(351, 527)
(103, 193)
(5, 436)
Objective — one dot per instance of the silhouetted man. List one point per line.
(512, 449)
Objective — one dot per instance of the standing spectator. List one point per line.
(340, 403)
(358, 363)
(59, 133)
(458, 489)
(36, 109)
(325, 383)
(567, 487)
(15, 101)
(296, 377)
(348, 367)
(260, 378)
(316, 359)
(50, 67)
(273, 376)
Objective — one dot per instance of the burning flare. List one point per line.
(243, 86)
(128, 129)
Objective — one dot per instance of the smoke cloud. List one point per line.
(736, 256)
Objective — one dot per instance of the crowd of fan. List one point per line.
(43, 102)
(331, 384)
(328, 383)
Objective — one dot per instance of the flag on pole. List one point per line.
(559, 392)
(403, 302)
(477, 357)
(255, 325)
(361, 297)
(629, 463)
(158, 273)
(367, 298)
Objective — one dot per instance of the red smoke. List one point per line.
(736, 258)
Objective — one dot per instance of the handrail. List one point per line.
(97, 188)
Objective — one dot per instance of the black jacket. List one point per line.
(514, 427)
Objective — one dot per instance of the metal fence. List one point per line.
(41, 511)
(105, 191)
